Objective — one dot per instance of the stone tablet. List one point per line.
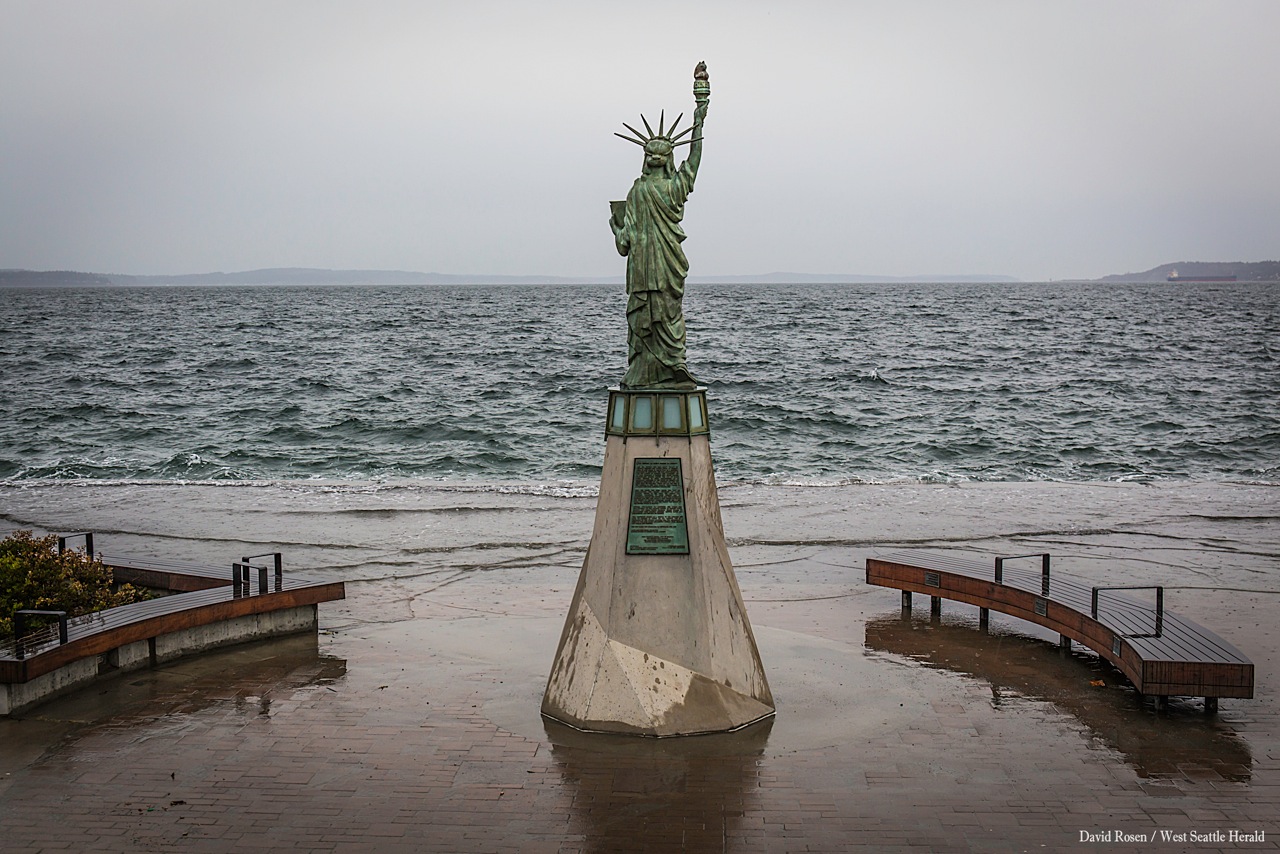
(656, 525)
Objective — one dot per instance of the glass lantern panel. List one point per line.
(642, 413)
(618, 421)
(671, 419)
(695, 413)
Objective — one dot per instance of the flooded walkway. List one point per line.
(412, 725)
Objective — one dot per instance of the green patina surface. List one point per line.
(646, 229)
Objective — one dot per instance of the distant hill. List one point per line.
(1244, 271)
(51, 278)
(313, 276)
(273, 276)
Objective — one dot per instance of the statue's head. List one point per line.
(657, 152)
(658, 147)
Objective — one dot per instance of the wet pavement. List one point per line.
(412, 724)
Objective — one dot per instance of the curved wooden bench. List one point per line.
(103, 631)
(222, 607)
(1160, 652)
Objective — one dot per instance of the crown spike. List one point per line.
(687, 130)
(636, 132)
(662, 122)
(686, 142)
(675, 124)
(629, 139)
(646, 125)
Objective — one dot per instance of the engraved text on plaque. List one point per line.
(656, 525)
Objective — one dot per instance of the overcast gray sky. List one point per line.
(1034, 139)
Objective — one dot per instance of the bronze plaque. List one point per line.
(656, 525)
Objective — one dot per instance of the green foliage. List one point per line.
(34, 575)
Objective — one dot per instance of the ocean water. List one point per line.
(437, 448)
(808, 384)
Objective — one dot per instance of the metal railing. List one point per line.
(240, 574)
(22, 643)
(1044, 569)
(1159, 606)
(88, 542)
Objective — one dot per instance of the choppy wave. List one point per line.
(809, 384)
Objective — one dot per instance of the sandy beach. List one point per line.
(412, 722)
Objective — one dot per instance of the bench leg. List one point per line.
(906, 602)
(1210, 705)
(935, 607)
(1162, 703)
(1064, 643)
(984, 618)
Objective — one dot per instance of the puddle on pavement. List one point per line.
(1182, 741)
(249, 676)
(688, 792)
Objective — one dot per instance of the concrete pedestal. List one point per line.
(657, 640)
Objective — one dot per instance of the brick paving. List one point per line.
(420, 735)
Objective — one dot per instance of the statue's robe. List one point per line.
(656, 268)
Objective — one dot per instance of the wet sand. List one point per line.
(412, 722)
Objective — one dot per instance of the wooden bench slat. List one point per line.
(138, 611)
(170, 565)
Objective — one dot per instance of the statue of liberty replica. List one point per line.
(646, 228)
(657, 641)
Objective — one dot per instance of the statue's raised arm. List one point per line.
(646, 229)
(701, 98)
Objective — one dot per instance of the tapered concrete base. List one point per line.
(658, 644)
